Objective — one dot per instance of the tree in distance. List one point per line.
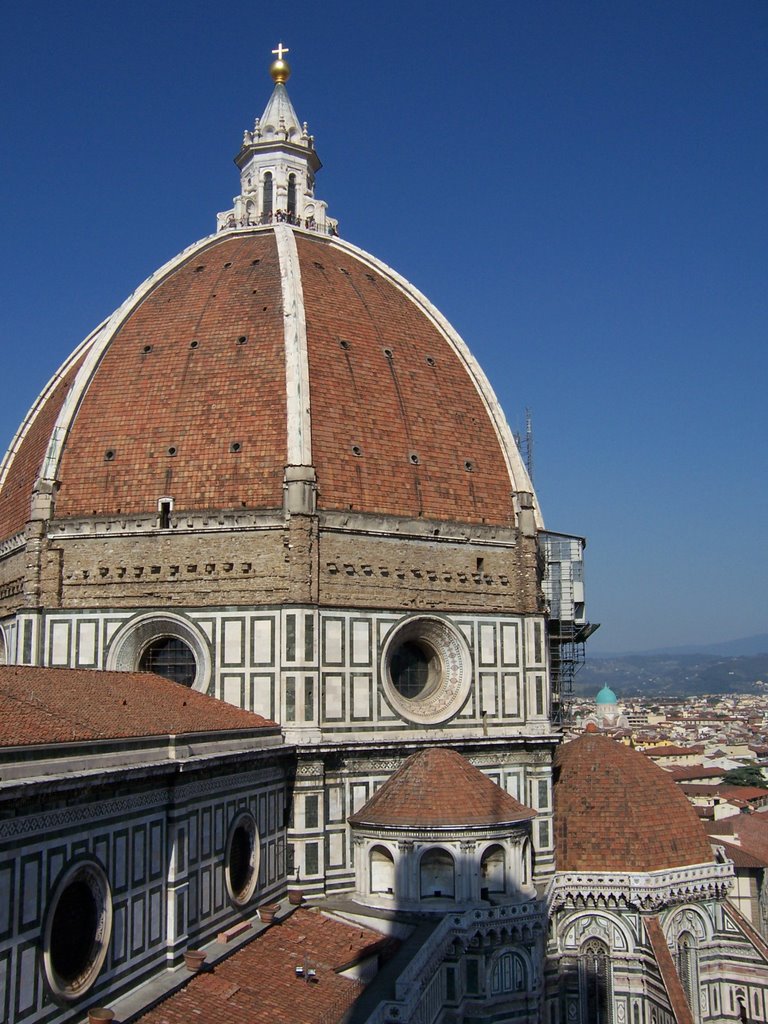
(749, 775)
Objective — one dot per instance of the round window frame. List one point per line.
(444, 696)
(90, 871)
(132, 640)
(243, 820)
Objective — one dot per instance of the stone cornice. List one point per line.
(643, 890)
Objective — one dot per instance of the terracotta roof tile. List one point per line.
(16, 492)
(741, 857)
(258, 983)
(153, 391)
(61, 705)
(749, 830)
(615, 810)
(438, 787)
(420, 400)
(174, 376)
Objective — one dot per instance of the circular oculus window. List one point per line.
(426, 670)
(166, 644)
(241, 859)
(78, 926)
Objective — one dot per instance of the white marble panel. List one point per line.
(487, 643)
(488, 694)
(361, 697)
(332, 641)
(332, 686)
(86, 643)
(361, 643)
(231, 689)
(509, 653)
(262, 695)
(233, 631)
(60, 632)
(336, 850)
(263, 635)
(510, 682)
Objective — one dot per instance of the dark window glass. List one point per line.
(596, 975)
(409, 669)
(171, 658)
(290, 698)
(450, 983)
(310, 858)
(267, 204)
(310, 812)
(290, 637)
(73, 931)
(309, 637)
(240, 853)
(292, 195)
(539, 695)
(473, 977)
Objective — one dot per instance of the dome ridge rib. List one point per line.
(299, 417)
(98, 346)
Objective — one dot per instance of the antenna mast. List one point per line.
(525, 443)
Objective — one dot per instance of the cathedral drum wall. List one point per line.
(340, 674)
(145, 568)
(154, 863)
(12, 573)
(360, 569)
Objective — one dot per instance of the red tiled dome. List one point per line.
(183, 393)
(436, 788)
(615, 810)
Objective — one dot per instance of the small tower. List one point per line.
(277, 165)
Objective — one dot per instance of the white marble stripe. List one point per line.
(98, 343)
(296, 359)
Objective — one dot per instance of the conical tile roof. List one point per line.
(438, 788)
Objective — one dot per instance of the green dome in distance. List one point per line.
(606, 696)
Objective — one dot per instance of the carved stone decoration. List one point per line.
(448, 673)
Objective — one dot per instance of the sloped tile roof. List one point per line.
(750, 831)
(60, 705)
(681, 1011)
(438, 787)
(615, 810)
(258, 983)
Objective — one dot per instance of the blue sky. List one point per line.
(579, 187)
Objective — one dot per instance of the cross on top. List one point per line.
(281, 50)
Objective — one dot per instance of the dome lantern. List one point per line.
(278, 163)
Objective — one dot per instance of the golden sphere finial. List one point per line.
(280, 69)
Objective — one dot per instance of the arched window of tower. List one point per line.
(267, 202)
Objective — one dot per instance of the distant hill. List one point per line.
(673, 674)
(729, 648)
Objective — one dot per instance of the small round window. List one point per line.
(170, 657)
(77, 930)
(426, 669)
(241, 859)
